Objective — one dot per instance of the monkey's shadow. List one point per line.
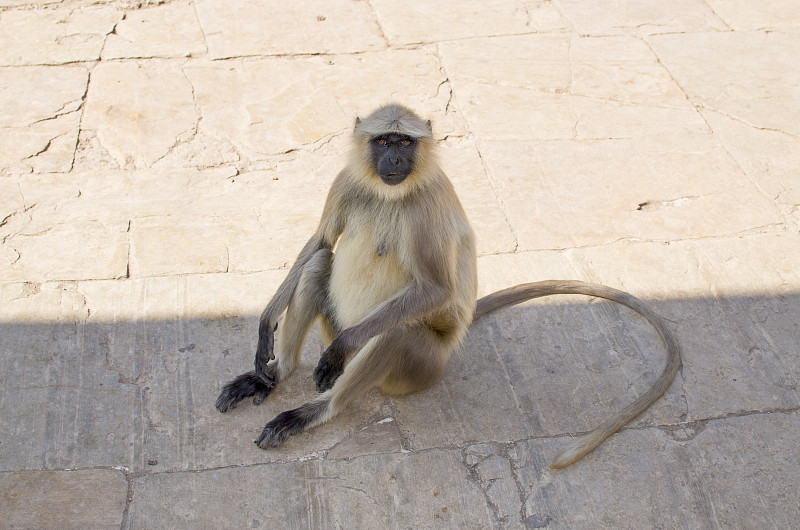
(140, 394)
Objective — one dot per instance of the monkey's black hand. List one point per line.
(243, 386)
(331, 365)
(264, 350)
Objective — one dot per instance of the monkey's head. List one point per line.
(392, 145)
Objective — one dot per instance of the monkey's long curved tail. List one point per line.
(580, 447)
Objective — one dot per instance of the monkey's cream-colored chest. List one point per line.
(367, 267)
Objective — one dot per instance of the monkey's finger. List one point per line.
(226, 401)
(261, 395)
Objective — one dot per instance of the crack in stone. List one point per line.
(361, 491)
(703, 106)
(493, 480)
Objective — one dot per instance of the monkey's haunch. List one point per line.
(580, 447)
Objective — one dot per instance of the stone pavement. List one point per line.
(162, 163)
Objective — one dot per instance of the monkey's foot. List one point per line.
(284, 425)
(292, 422)
(243, 386)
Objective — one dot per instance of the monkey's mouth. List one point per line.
(392, 179)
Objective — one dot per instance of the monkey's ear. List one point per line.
(358, 122)
(428, 123)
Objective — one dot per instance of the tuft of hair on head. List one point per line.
(394, 118)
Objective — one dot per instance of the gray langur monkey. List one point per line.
(390, 275)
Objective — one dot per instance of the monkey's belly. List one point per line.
(361, 280)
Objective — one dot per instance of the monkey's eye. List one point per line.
(405, 142)
(380, 141)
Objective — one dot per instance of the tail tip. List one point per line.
(570, 454)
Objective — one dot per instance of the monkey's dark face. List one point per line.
(393, 157)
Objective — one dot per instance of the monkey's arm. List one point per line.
(268, 322)
(330, 227)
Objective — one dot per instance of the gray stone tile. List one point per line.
(421, 490)
(92, 498)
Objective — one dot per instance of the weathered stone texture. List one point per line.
(63, 499)
(376, 491)
(726, 473)
(641, 188)
(641, 17)
(55, 36)
(237, 28)
(440, 20)
(745, 15)
(766, 97)
(140, 110)
(168, 30)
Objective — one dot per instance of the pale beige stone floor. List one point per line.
(161, 164)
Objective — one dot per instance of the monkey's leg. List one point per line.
(404, 359)
(304, 307)
(307, 303)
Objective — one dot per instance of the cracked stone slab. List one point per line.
(236, 28)
(766, 97)
(439, 20)
(745, 15)
(491, 468)
(47, 92)
(418, 490)
(116, 196)
(618, 68)
(39, 117)
(493, 113)
(641, 17)
(45, 249)
(43, 147)
(770, 158)
(63, 406)
(271, 106)
(234, 223)
(648, 188)
(167, 30)
(140, 110)
(725, 472)
(67, 499)
(30, 302)
(13, 203)
(461, 162)
(229, 221)
(55, 36)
